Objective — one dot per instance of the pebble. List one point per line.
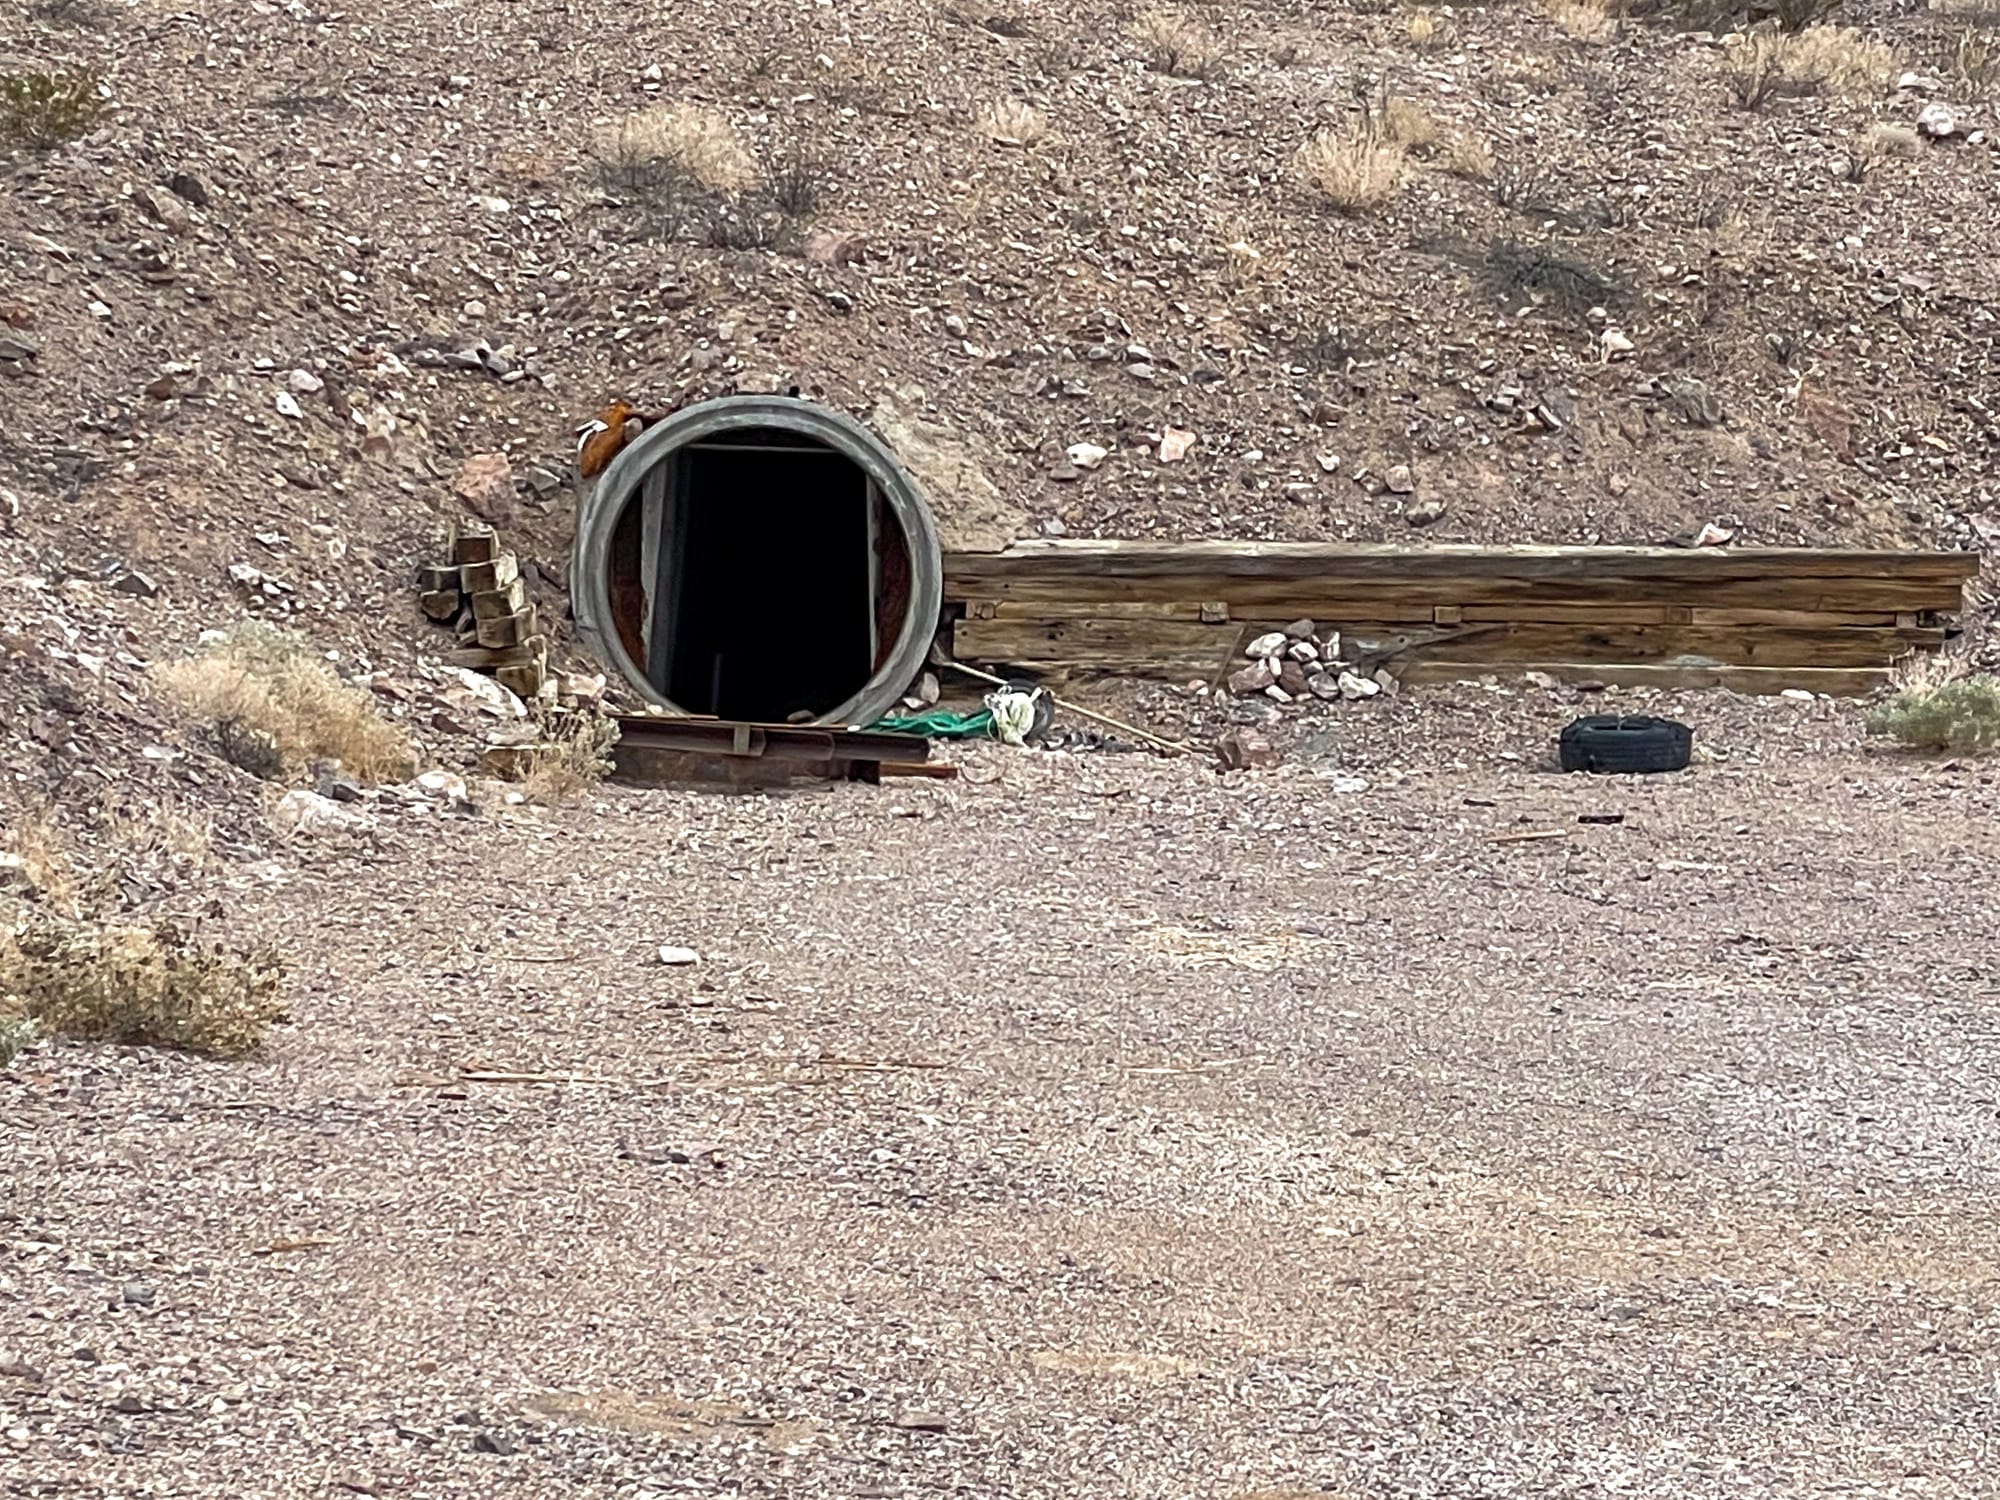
(678, 958)
(1253, 678)
(1324, 685)
(138, 1294)
(1246, 750)
(1399, 481)
(1424, 512)
(1086, 455)
(1267, 645)
(1354, 686)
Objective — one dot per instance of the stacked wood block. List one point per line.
(480, 593)
(1757, 620)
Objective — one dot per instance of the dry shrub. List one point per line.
(571, 755)
(276, 706)
(1975, 60)
(1427, 29)
(1586, 20)
(692, 139)
(1838, 60)
(1877, 144)
(157, 986)
(1468, 156)
(1177, 44)
(16, 1032)
(1407, 124)
(1355, 168)
(1755, 70)
(1939, 705)
(40, 111)
(1012, 123)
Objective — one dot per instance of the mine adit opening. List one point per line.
(763, 559)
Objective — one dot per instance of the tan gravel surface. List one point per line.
(1090, 1125)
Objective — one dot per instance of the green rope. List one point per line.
(939, 724)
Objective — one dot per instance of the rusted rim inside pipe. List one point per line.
(598, 517)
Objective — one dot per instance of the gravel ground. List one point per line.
(1089, 1125)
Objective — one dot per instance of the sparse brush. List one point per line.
(1178, 45)
(692, 138)
(1877, 144)
(572, 755)
(1407, 124)
(1939, 705)
(1585, 20)
(258, 686)
(1755, 69)
(1012, 122)
(795, 179)
(1427, 29)
(1838, 60)
(1356, 169)
(40, 111)
(1468, 156)
(157, 986)
(1975, 60)
(16, 1033)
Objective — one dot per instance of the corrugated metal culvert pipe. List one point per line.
(762, 558)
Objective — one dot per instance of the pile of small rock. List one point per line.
(1298, 662)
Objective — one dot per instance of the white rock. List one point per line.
(1270, 644)
(678, 958)
(1329, 462)
(441, 783)
(1324, 685)
(288, 406)
(1614, 342)
(1087, 455)
(488, 696)
(304, 382)
(1329, 649)
(1399, 480)
(1302, 651)
(1354, 686)
(1277, 694)
(1797, 695)
(1937, 121)
(1541, 680)
(1386, 681)
(301, 811)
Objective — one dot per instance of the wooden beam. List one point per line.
(1841, 682)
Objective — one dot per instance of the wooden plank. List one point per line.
(484, 577)
(1170, 609)
(1581, 614)
(1805, 619)
(1841, 682)
(1418, 598)
(1695, 645)
(1163, 647)
(506, 630)
(507, 600)
(1380, 562)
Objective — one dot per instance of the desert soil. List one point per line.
(1092, 1124)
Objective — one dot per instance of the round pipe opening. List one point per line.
(759, 558)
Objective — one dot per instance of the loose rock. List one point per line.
(1246, 750)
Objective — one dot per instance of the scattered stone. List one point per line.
(1712, 535)
(304, 382)
(1614, 344)
(189, 188)
(138, 1294)
(493, 1442)
(1277, 694)
(486, 485)
(1329, 649)
(1797, 695)
(1937, 121)
(137, 584)
(1399, 480)
(1086, 455)
(1424, 512)
(1246, 750)
(1307, 650)
(441, 783)
(1323, 685)
(1354, 686)
(1267, 645)
(1292, 678)
(1174, 444)
(922, 1421)
(1386, 681)
(16, 1367)
(1541, 680)
(678, 958)
(1065, 473)
(164, 208)
(288, 406)
(1302, 630)
(1253, 678)
(304, 812)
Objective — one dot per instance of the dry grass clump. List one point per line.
(572, 755)
(1468, 156)
(1586, 20)
(1877, 144)
(276, 707)
(1756, 70)
(1178, 44)
(1975, 60)
(1839, 60)
(40, 111)
(1011, 122)
(156, 986)
(1427, 29)
(690, 138)
(1355, 168)
(1407, 124)
(1940, 705)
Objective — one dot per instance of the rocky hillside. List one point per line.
(274, 272)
